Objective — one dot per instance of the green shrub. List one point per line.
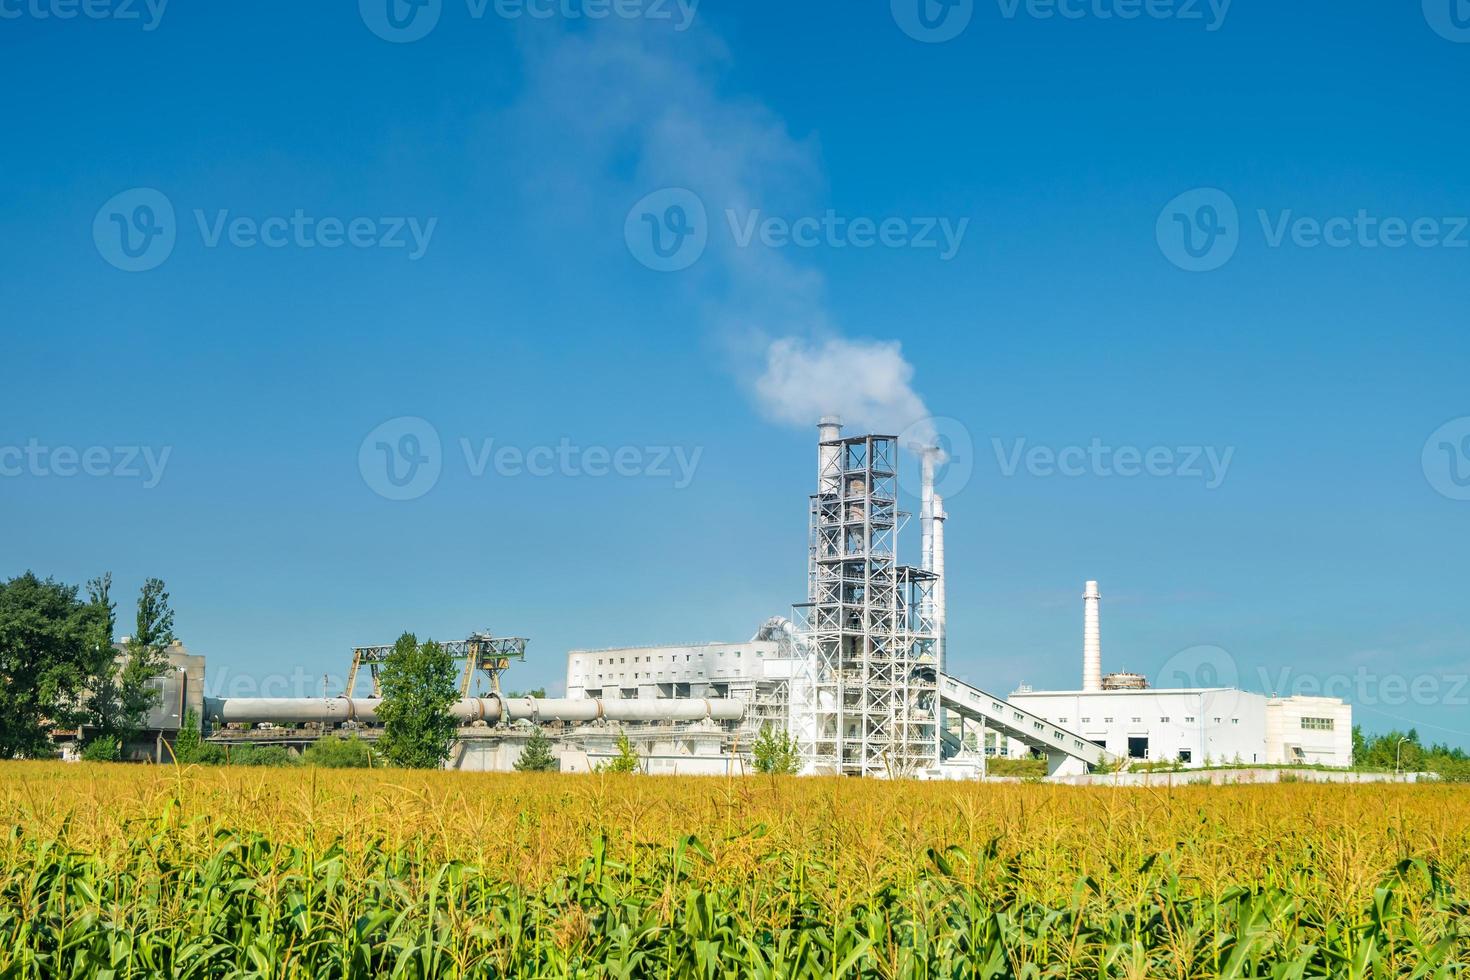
(103, 748)
(337, 752)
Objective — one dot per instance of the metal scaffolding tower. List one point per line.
(870, 691)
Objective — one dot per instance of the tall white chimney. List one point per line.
(829, 462)
(927, 456)
(1091, 639)
(940, 610)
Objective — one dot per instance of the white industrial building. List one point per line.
(1191, 726)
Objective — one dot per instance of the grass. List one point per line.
(210, 872)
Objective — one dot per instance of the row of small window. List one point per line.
(1188, 720)
(674, 658)
(1319, 724)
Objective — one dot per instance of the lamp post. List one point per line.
(1398, 753)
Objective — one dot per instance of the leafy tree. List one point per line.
(535, 692)
(45, 659)
(626, 760)
(776, 753)
(419, 684)
(536, 755)
(337, 752)
(121, 690)
(261, 755)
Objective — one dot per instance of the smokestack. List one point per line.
(937, 555)
(829, 463)
(1091, 640)
(927, 457)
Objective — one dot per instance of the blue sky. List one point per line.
(1061, 152)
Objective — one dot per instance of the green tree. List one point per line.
(419, 684)
(535, 692)
(536, 755)
(122, 690)
(626, 760)
(776, 753)
(101, 748)
(45, 660)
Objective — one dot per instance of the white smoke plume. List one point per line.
(628, 96)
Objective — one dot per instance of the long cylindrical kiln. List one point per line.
(492, 709)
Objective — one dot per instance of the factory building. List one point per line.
(857, 675)
(1192, 726)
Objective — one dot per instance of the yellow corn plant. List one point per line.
(117, 871)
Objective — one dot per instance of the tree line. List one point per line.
(60, 668)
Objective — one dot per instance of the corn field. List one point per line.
(115, 871)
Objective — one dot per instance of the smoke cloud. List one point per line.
(638, 108)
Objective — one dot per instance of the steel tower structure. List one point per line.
(870, 692)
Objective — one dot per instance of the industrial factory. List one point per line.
(856, 676)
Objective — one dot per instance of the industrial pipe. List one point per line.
(491, 710)
(1091, 639)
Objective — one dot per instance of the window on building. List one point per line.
(1164, 720)
(1061, 721)
(1086, 721)
(1235, 721)
(1189, 719)
(1186, 756)
(1217, 721)
(1137, 721)
(1319, 724)
(1107, 721)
